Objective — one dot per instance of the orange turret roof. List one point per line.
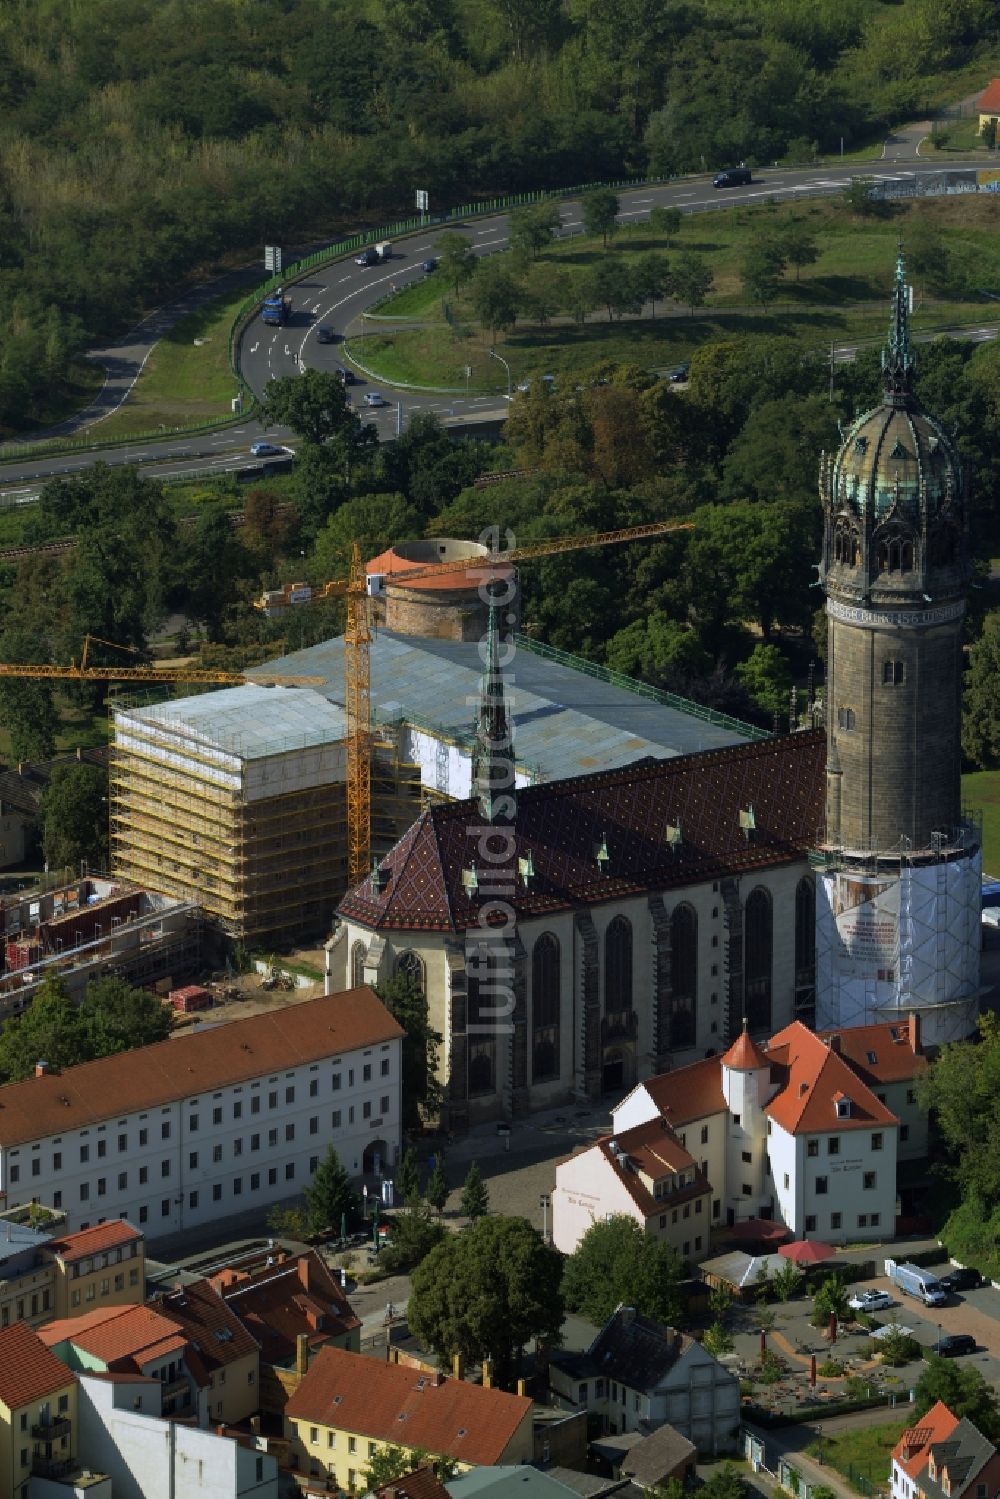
(745, 1055)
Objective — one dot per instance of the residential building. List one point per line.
(38, 1412)
(656, 1459)
(505, 1482)
(27, 1282)
(944, 1457)
(124, 1434)
(224, 1356)
(348, 1407)
(789, 1130)
(644, 1174)
(638, 1375)
(422, 1483)
(988, 104)
(104, 1265)
(191, 1129)
(134, 1340)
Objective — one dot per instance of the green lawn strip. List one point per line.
(864, 1452)
(981, 791)
(842, 296)
(183, 382)
(414, 300)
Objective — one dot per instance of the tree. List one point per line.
(859, 197)
(51, 1030)
(315, 405)
(962, 1091)
(213, 564)
(74, 815)
(117, 1017)
(616, 1262)
(760, 273)
(288, 1223)
(652, 278)
(27, 709)
(829, 1301)
(988, 134)
(799, 246)
(485, 1292)
(390, 1463)
(898, 1347)
(665, 221)
(415, 1233)
(543, 293)
(475, 1201)
(767, 677)
(963, 1390)
(533, 226)
(495, 298)
(787, 1281)
(407, 1180)
(659, 650)
(717, 1340)
(329, 1196)
(378, 519)
(746, 562)
(981, 698)
(692, 280)
(600, 212)
(726, 1482)
(403, 996)
(455, 257)
(436, 1188)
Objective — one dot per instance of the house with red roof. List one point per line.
(38, 1411)
(791, 1129)
(944, 1457)
(989, 105)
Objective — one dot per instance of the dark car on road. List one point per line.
(348, 376)
(325, 335)
(963, 1278)
(429, 265)
(733, 177)
(367, 257)
(953, 1344)
(678, 375)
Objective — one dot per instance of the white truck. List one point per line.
(922, 1285)
(384, 250)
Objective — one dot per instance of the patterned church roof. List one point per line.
(737, 809)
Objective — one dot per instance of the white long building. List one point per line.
(212, 1123)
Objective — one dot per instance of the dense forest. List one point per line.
(143, 140)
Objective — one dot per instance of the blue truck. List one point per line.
(276, 308)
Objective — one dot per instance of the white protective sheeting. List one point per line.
(888, 944)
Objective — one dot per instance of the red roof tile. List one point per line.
(654, 1150)
(422, 1483)
(193, 1063)
(937, 1424)
(207, 1322)
(94, 1240)
(811, 1078)
(744, 1055)
(278, 1303)
(989, 99)
(28, 1369)
(560, 823)
(392, 1403)
(687, 1093)
(118, 1333)
(879, 1053)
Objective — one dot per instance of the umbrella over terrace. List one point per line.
(807, 1252)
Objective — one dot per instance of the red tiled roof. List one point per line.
(207, 1322)
(94, 1240)
(395, 568)
(989, 99)
(653, 1149)
(889, 1044)
(194, 1063)
(392, 1403)
(560, 824)
(744, 1055)
(422, 1483)
(687, 1093)
(28, 1369)
(811, 1078)
(278, 1303)
(935, 1426)
(118, 1333)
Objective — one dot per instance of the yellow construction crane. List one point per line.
(357, 658)
(81, 672)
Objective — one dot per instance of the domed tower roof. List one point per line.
(745, 1055)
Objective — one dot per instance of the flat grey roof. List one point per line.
(250, 721)
(570, 718)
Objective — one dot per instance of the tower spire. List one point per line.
(493, 754)
(897, 354)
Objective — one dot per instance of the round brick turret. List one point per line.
(445, 606)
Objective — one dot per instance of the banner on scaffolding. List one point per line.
(866, 920)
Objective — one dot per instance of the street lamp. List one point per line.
(545, 1202)
(495, 355)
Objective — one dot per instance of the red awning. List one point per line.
(808, 1252)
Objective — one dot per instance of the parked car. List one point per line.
(325, 335)
(265, 450)
(375, 398)
(961, 1279)
(953, 1344)
(870, 1301)
(678, 375)
(548, 384)
(348, 376)
(429, 265)
(367, 257)
(733, 177)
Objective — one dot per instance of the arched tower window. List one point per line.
(758, 948)
(358, 964)
(846, 542)
(894, 553)
(545, 1008)
(618, 966)
(805, 946)
(408, 965)
(684, 976)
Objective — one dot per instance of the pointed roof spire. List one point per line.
(897, 355)
(745, 1055)
(493, 755)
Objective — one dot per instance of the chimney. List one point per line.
(835, 1043)
(41, 1068)
(522, 1387)
(255, 1425)
(220, 1431)
(301, 1353)
(304, 1271)
(457, 1366)
(438, 1380)
(487, 1374)
(915, 1045)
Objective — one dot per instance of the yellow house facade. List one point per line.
(38, 1411)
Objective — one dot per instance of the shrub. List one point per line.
(830, 1369)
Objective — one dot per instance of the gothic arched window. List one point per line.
(684, 976)
(408, 965)
(545, 1008)
(618, 966)
(757, 954)
(846, 543)
(805, 932)
(358, 952)
(486, 1008)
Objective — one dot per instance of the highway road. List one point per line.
(338, 295)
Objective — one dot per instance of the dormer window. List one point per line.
(843, 1107)
(748, 823)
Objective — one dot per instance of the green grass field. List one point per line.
(863, 1452)
(981, 791)
(841, 297)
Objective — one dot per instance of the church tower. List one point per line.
(493, 751)
(897, 902)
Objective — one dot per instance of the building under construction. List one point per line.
(236, 800)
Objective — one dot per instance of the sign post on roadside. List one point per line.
(272, 259)
(423, 202)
